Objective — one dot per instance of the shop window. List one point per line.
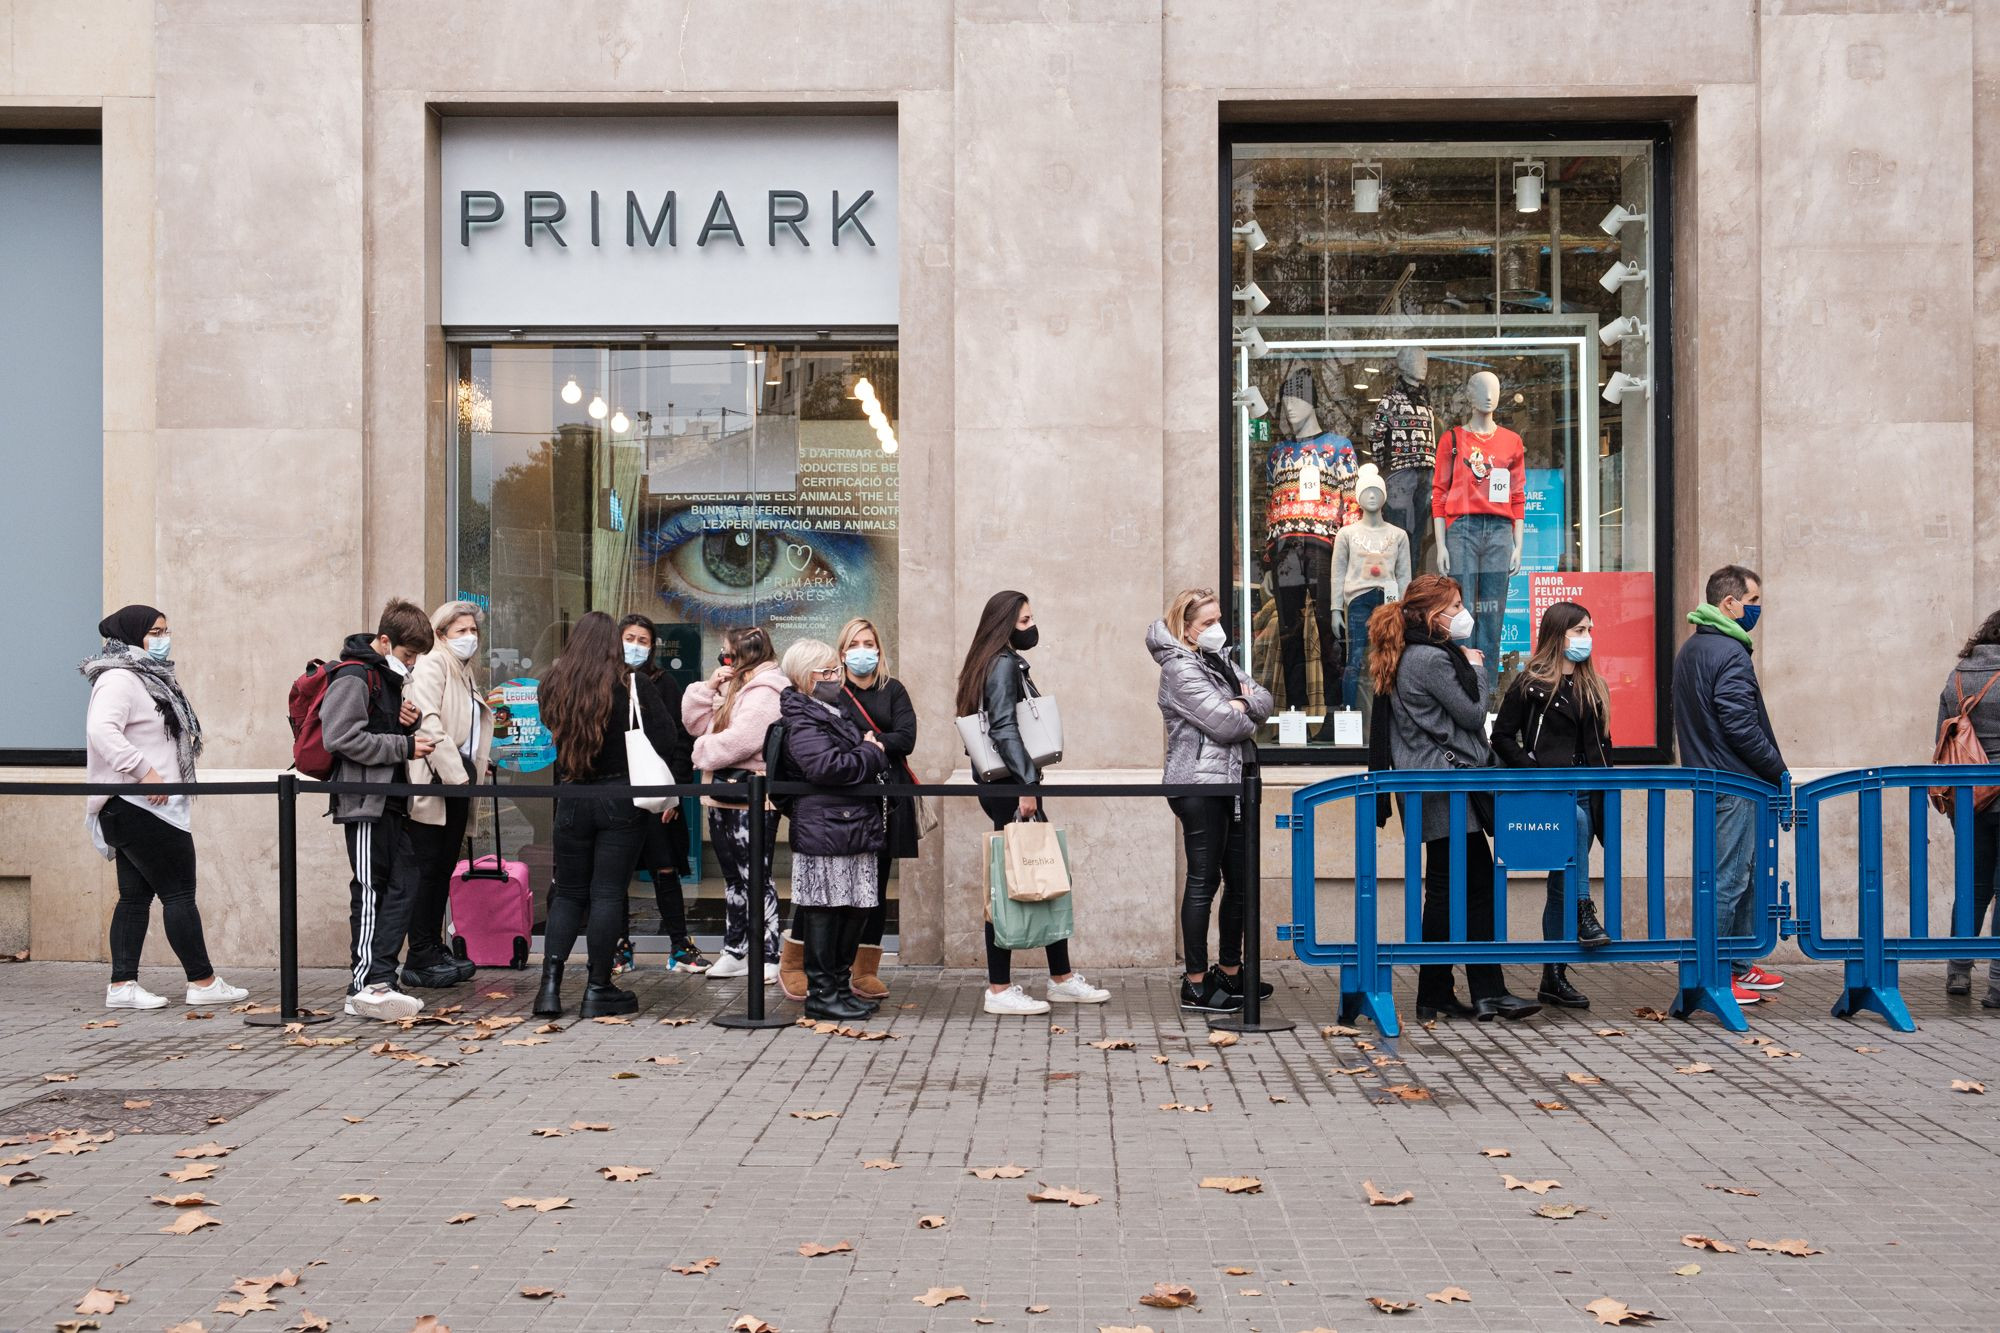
(1482, 326)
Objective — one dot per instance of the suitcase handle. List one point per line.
(473, 870)
(499, 857)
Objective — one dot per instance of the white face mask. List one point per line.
(1212, 639)
(463, 647)
(1460, 628)
(395, 664)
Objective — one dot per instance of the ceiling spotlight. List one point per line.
(1252, 234)
(1621, 384)
(1617, 218)
(1251, 340)
(1629, 326)
(620, 423)
(1528, 175)
(1253, 294)
(1366, 178)
(597, 409)
(572, 392)
(1252, 398)
(1620, 274)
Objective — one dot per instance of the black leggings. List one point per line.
(875, 920)
(1212, 838)
(438, 847)
(1434, 979)
(597, 846)
(155, 859)
(999, 961)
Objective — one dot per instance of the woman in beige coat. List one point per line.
(453, 715)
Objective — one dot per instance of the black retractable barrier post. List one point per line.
(1251, 1018)
(753, 1015)
(288, 913)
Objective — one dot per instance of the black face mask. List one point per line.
(1024, 639)
(827, 691)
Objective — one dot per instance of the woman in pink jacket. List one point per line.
(728, 715)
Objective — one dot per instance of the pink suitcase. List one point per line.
(492, 909)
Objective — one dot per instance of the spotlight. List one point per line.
(1617, 218)
(1621, 384)
(1252, 398)
(1252, 234)
(1629, 326)
(862, 388)
(597, 409)
(572, 392)
(1253, 294)
(1366, 178)
(620, 423)
(1252, 340)
(1620, 274)
(1528, 186)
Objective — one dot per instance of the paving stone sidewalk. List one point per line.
(1853, 1140)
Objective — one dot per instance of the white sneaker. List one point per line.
(1077, 991)
(1014, 1000)
(217, 991)
(384, 1003)
(729, 965)
(131, 995)
(770, 974)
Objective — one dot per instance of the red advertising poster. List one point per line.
(1621, 613)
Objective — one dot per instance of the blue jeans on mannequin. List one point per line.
(1481, 547)
(1358, 611)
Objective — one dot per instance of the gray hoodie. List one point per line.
(1207, 738)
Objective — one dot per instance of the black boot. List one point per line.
(548, 1000)
(601, 999)
(848, 942)
(818, 930)
(1557, 991)
(429, 967)
(1589, 930)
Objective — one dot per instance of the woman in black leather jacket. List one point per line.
(994, 680)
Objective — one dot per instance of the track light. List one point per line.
(1253, 294)
(1629, 326)
(1251, 340)
(1620, 274)
(1622, 384)
(597, 409)
(1366, 178)
(572, 392)
(1528, 175)
(1617, 218)
(1252, 398)
(1252, 234)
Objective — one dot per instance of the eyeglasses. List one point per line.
(827, 673)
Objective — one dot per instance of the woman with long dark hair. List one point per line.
(1557, 714)
(1430, 713)
(994, 680)
(881, 707)
(665, 857)
(1978, 668)
(586, 702)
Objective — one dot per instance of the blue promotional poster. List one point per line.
(1542, 547)
(521, 744)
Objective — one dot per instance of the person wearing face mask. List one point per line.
(665, 857)
(1720, 722)
(877, 703)
(453, 715)
(1212, 709)
(369, 729)
(1557, 714)
(140, 728)
(836, 840)
(1430, 713)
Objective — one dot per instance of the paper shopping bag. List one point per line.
(1019, 925)
(1037, 871)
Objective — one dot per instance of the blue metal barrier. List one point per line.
(1871, 955)
(1527, 799)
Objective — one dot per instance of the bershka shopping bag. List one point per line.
(1037, 866)
(1019, 925)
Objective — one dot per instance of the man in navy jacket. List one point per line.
(1720, 722)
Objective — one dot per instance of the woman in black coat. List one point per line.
(665, 857)
(877, 703)
(836, 840)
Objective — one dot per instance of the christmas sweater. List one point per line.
(1479, 475)
(1312, 489)
(1405, 432)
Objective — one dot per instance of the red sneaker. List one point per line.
(1747, 996)
(1756, 978)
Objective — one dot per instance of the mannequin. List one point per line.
(1480, 504)
(1404, 444)
(1371, 565)
(1311, 478)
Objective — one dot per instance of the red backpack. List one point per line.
(309, 753)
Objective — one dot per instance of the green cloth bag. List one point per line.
(1018, 925)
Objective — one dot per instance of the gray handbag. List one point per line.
(1040, 721)
(987, 765)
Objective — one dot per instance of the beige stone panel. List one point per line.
(260, 270)
(130, 539)
(128, 263)
(1194, 520)
(238, 13)
(71, 888)
(103, 48)
(1449, 48)
(1867, 125)
(1077, 353)
(1189, 277)
(1986, 270)
(1864, 564)
(260, 537)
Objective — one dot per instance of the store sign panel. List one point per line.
(655, 223)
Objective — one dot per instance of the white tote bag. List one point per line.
(987, 765)
(1040, 722)
(643, 764)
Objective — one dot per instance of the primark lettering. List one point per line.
(653, 220)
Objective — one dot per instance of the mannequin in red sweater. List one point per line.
(1478, 506)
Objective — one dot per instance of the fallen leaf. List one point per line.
(1586, 1080)
(1967, 1085)
(661, 1060)
(196, 1171)
(547, 1028)
(59, 1078)
(1168, 1296)
(527, 1041)
(1233, 1184)
(539, 1205)
(1532, 1186)
(1237, 1272)
(457, 1218)
(191, 1016)
(881, 1164)
(623, 1073)
(1610, 1032)
(249, 1302)
(1756, 1040)
(41, 1217)
(1552, 1106)
(1732, 1189)
(665, 1023)
(310, 1323)
(745, 1323)
(1798, 1249)
(1203, 1109)
(1687, 1270)
(1196, 1064)
(1074, 1198)
(100, 1301)
(815, 1115)
(181, 1200)
(1007, 1172)
(1113, 1044)
(76, 1325)
(1496, 1152)
(190, 1222)
(1698, 1242)
(1698, 1067)
(101, 1023)
(1609, 1311)
(353, 1119)
(1560, 1211)
(1869, 1050)
(19, 1178)
(1060, 1075)
(1037, 1309)
(699, 1268)
(537, 1293)
(1248, 1291)
(590, 1126)
(1058, 1030)
(1391, 1307)
(1223, 1038)
(549, 1132)
(1649, 1014)
(1378, 1199)
(937, 1296)
(138, 1106)
(1448, 1295)
(428, 1323)
(1339, 1030)
(613, 1020)
(932, 1222)
(209, 1149)
(359, 1198)
(624, 1175)
(1277, 1100)
(1409, 1092)
(1776, 1053)
(71, 1148)
(191, 1326)
(813, 1251)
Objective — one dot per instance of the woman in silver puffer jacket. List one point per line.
(1212, 709)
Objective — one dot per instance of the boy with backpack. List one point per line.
(369, 734)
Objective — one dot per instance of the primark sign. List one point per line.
(595, 222)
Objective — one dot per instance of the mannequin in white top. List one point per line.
(1371, 565)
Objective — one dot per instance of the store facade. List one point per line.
(791, 314)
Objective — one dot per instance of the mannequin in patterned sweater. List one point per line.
(1311, 479)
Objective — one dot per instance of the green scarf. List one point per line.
(1713, 618)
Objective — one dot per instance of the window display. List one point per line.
(1443, 361)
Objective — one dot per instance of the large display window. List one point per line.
(1481, 325)
(707, 487)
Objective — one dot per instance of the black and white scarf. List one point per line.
(158, 678)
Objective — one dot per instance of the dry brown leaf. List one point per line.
(547, 1028)
(937, 1296)
(1409, 1092)
(815, 1115)
(1967, 1085)
(1610, 1032)
(1699, 1242)
(310, 1323)
(71, 1148)
(1651, 1015)
(1113, 1044)
(1277, 1100)
(524, 1041)
(623, 1073)
(193, 1172)
(1074, 1198)
(745, 1323)
(101, 1023)
(1732, 1189)
(100, 1301)
(609, 1020)
(1756, 1040)
(19, 1178)
(1203, 1109)
(1007, 1172)
(1496, 1152)
(1553, 1106)
(1776, 1053)
(548, 1205)
(1609, 1311)
(209, 1149)
(931, 1222)
(353, 1119)
(1869, 1050)
(1237, 1272)
(665, 1023)
(537, 1293)
(1585, 1080)
(182, 1200)
(457, 1218)
(590, 1126)
(1387, 1306)
(549, 1132)
(1448, 1295)
(1168, 1296)
(76, 1325)
(1532, 1186)
(699, 1268)
(1560, 1211)
(1233, 1184)
(249, 1302)
(360, 1198)
(812, 1250)
(1037, 1309)
(1196, 1064)
(138, 1105)
(428, 1323)
(191, 1326)
(1687, 1270)
(1698, 1067)
(287, 1278)
(1339, 1030)
(190, 1222)
(881, 1164)
(1798, 1249)
(1378, 1199)
(661, 1060)
(1223, 1038)
(624, 1175)
(1060, 1075)
(59, 1078)
(1248, 1291)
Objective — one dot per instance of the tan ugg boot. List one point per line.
(865, 982)
(791, 967)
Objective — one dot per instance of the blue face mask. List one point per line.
(863, 661)
(1578, 649)
(1750, 614)
(159, 646)
(637, 654)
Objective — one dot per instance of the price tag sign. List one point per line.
(1347, 728)
(1291, 727)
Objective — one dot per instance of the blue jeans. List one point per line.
(1735, 865)
(1481, 547)
(1358, 611)
(1552, 906)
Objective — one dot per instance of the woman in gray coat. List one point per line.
(1978, 668)
(1430, 704)
(1212, 709)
